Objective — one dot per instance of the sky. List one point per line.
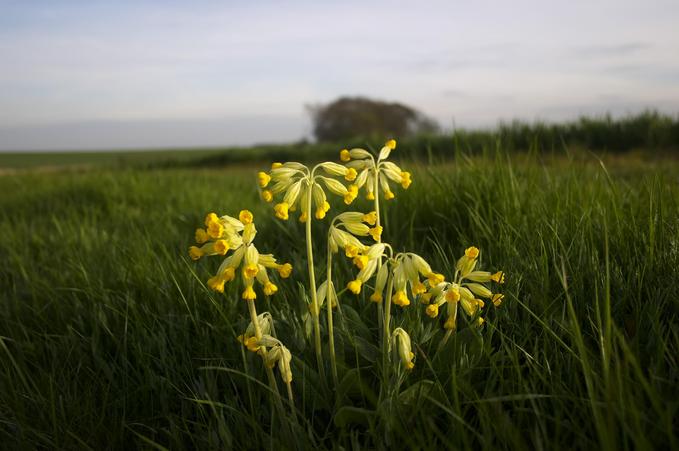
(138, 74)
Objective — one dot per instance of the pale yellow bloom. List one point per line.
(263, 179)
(404, 347)
(355, 286)
(400, 298)
(498, 277)
(201, 236)
(237, 235)
(281, 210)
(432, 310)
(369, 168)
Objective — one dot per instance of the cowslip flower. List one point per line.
(373, 256)
(467, 262)
(407, 272)
(249, 339)
(355, 224)
(296, 182)
(226, 234)
(473, 280)
(375, 173)
(404, 348)
(466, 291)
(277, 354)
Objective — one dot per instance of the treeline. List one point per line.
(649, 132)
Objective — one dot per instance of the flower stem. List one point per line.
(262, 353)
(331, 336)
(386, 338)
(376, 193)
(312, 284)
(291, 398)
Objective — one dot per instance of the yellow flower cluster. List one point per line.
(354, 224)
(465, 291)
(225, 233)
(408, 269)
(367, 263)
(295, 182)
(375, 174)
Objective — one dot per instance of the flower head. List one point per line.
(467, 262)
(284, 270)
(246, 217)
(368, 263)
(355, 286)
(467, 292)
(432, 310)
(201, 236)
(235, 241)
(376, 232)
(263, 179)
(471, 252)
(295, 183)
(282, 210)
(374, 172)
(400, 298)
(267, 195)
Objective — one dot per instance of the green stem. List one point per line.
(386, 338)
(331, 335)
(291, 398)
(312, 283)
(376, 193)
(262, 353)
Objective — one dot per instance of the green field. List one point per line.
(86, 160)
(109, 338)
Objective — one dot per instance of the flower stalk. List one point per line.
(262, 351)
(330, 298)
(315, 311)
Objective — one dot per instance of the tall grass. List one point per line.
(110, 339)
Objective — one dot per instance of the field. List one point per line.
(50, 161)
(109, 337)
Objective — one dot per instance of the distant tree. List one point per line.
(359, 117)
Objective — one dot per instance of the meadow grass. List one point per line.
(109, 337)
(50, 161)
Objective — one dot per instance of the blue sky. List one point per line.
(87, 75)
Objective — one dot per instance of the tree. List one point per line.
(359, 117)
